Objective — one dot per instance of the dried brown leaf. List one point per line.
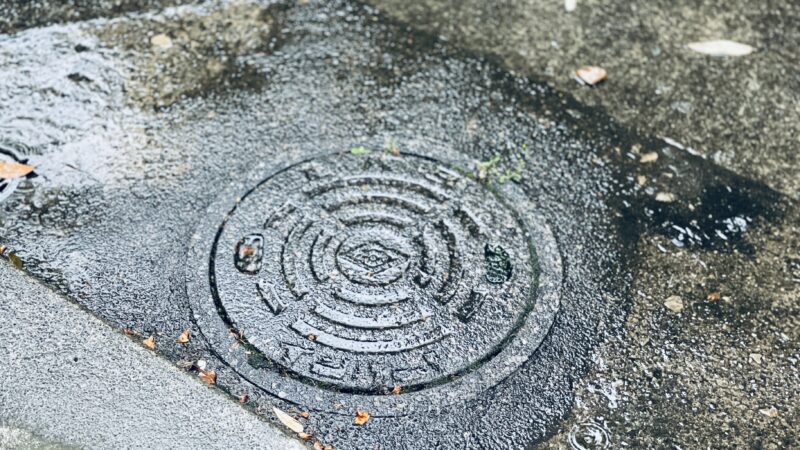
(304, 436)
(591, 75)
(396, 390)
(131, 332)
(304, 414)
(361, 417)
(150, 342)
(11, 170)
(183, 338)
(317, 445)
(209, 376)
(714, 296)
(290, 422)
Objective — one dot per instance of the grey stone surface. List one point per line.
(133, 138)
(709, 376)
(741, 112)
(69, 380)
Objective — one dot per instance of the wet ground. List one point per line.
(677, 321)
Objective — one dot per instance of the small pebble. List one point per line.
(161, 41)
(674, 303)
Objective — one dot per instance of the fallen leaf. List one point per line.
(131, 332)
(591, 75)
(11, 170)
(209, 376)
(183, 338)
(328, 447)
(648, 157)
(304, 414)
(396, 389)
(317, 445)
(243, 398)
(769, 412)
(311, 337)
(665, 197)
(714, 296)
(150, 342)
(674, 303)
(304, 436)
(361, 417)
(15, 260)
(290, 422)
(721, 47)
(161, 41)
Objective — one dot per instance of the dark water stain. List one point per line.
(199, 55)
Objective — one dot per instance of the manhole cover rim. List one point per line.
(226, 347)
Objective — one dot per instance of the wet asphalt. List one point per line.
(137, 140)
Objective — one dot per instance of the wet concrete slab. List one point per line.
(348, 215)
(69, 381)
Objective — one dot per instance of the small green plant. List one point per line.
(360, 151)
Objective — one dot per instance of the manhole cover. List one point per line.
(356, 273)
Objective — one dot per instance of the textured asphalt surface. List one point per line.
(119, 128)
(69, 379)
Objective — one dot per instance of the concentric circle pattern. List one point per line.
(363, 272)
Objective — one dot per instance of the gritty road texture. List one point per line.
(71, 381)
(719, 373)
(678, 324)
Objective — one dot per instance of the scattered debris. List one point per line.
(209, 376)
(318, 445)
(392, 148)
(665, 197)
(714, 296)
(11, 170)
(674, 303)
(183, 338)
(570, 5)
(150, 342)
(304, 414)
(396, 390)
(131, 332)
(591, 75)
(769, 412)
(304, 436)
(243, 398)
(485, 166)
(161, 41)
(312, 337)
(756, 358)
(361, 417)
(360, 151)
(15, 260)
(648, 157)
(721, 47)
(290, 422)
(641, 180)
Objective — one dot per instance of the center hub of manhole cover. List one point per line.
(357, 273)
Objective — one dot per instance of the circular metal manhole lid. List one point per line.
(352, 274)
